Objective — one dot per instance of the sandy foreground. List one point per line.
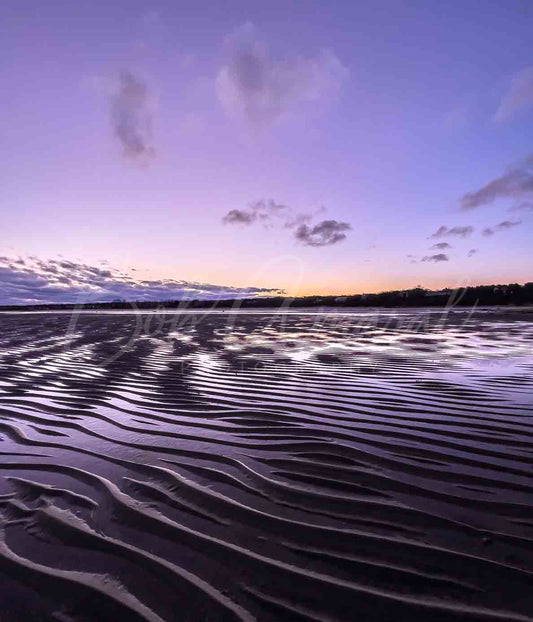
(266, 466)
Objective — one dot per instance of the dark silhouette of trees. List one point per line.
(483, 295)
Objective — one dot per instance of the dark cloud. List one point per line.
(435, 258)
(325, 233)
(264, 211)
(508, 224)
(239, 217)
(515, 184)
(460, 232)
(472, 252)
(268, 210)
(271, 214)
(298, 220)
(502, 226)
(56, 281)
(257, 88)
(441, 246)
(131, 117)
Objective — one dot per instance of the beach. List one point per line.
(337, 466)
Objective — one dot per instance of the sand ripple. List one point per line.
(260, 467)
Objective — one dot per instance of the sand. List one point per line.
(351, 466)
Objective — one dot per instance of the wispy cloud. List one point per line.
(508, 224)
(271, 214)
(472, 252)
(515, 184)
(325, 233)
(264, 211)
(502, 226)
(131, 117)
(519, 95)
(33, 281)
(459, 232)
(441, 246)
(439, 257)
(257, 88)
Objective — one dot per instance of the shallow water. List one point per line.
(340, 466)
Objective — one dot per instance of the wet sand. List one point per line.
(250, 466)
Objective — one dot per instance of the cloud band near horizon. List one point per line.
(26, 281)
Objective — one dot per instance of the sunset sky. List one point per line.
(151, 149)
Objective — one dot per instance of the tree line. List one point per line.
(481, 295)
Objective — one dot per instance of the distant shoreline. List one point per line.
(508, 295)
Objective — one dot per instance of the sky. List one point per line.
(200, 149)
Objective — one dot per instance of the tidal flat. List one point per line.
(357, 465)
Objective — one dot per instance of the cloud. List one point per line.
(62, 281)
(325, 233)
(519, 95)
(435, 258)
(508, 224)
(264, 211)
(502, 226)
(239, 217)
(460, 232)
(472, 252)
(516, 183)
(441, 246)
(131, 117)
(257, 88)
(271, 214)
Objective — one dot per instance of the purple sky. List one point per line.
(315, 147)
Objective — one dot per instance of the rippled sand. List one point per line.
(270, 467)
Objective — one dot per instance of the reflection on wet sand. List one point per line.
(264, 466)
